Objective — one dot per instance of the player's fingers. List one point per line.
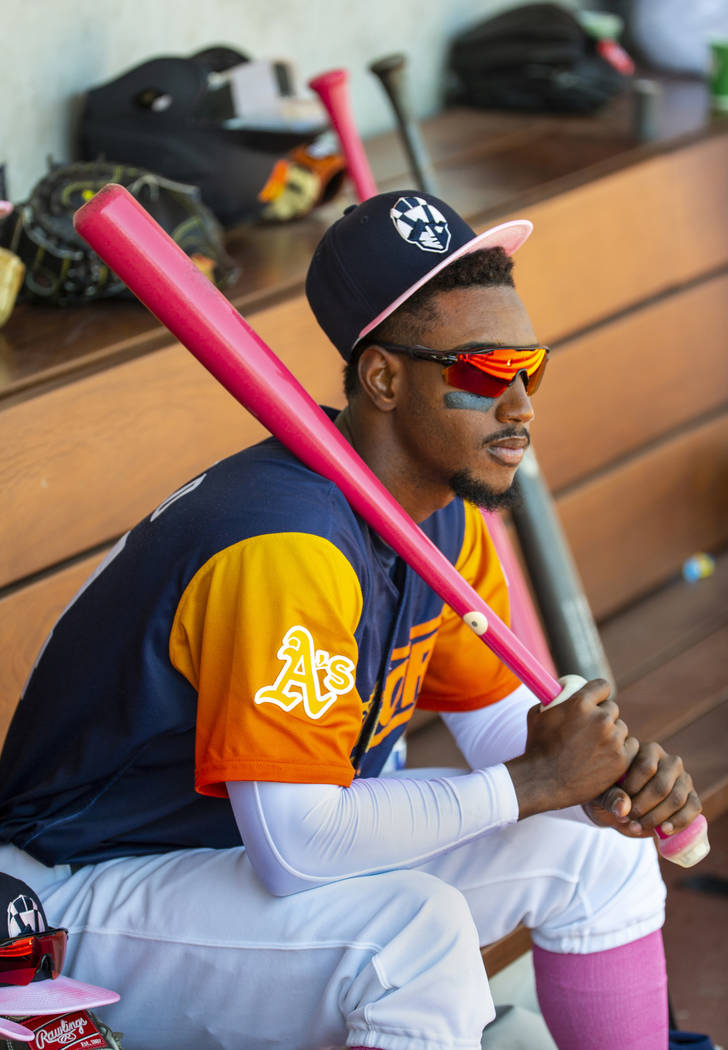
(643, 769)
(615, 799)
(631, 750)
(593, 694)
(666, 817)
(685, 816)
(674, 792)
(621, 730)
(616, 802)
(607, 710)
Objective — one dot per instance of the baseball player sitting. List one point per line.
(193, 780)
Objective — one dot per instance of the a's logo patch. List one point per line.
(309, 676)
(421, 224)
(24, 917)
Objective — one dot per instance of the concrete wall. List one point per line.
(54, 50)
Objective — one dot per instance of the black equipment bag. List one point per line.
(60, 267)
(173, 116)
(536, 58)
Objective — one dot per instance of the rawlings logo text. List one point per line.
(66, 1032)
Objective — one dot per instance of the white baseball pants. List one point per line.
(204, 957)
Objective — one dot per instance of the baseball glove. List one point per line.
(60, 267)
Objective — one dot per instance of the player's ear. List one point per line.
(379, 376)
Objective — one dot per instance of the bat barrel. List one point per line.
(573, 635)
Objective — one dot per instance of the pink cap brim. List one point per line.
(508, 235)
(11, 1030)
(53, 997)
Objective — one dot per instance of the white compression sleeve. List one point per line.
(495, 733)
(303, 835)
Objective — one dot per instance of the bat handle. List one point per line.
(685, 847)
(333, 90)
(390, 70)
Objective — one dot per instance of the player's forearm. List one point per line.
(303, 835)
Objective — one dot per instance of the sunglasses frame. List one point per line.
(452, 357)
(447, 358)
(36, 955)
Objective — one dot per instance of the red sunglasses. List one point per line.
(487, 378)
(22, 957)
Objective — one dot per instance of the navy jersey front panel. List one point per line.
(100, 757)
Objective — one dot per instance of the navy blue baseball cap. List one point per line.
(380, 252)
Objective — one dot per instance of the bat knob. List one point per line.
(332, 88)
(688, 846)
(387, 65)
(328, 81)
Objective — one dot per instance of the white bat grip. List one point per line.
(572, 683)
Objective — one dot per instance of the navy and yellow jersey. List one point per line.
(252, 627)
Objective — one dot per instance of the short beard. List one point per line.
(468, 488)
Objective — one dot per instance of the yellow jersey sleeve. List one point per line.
(463, 673)
(265, 633)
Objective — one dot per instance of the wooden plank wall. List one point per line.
(625, 276)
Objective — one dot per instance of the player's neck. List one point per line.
(372, 441)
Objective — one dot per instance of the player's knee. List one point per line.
(628, 864)
(620, 888)
(428, 930)
(434, 904)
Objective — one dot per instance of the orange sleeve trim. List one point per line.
(210, 780)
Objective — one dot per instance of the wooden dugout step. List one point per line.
(89, 458)
(629, 382)
(631, 526)
(633, 234)
(86, 460)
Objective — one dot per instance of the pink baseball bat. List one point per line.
(159, 273)
(333, 90)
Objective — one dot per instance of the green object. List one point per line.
(600, 25)
(719, 74)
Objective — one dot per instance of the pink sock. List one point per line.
(611, 1000)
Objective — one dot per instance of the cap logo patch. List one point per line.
(421, 223)
(24, 917)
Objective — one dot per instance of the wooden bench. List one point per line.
(626, 277)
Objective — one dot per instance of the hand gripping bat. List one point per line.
(160, 274)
